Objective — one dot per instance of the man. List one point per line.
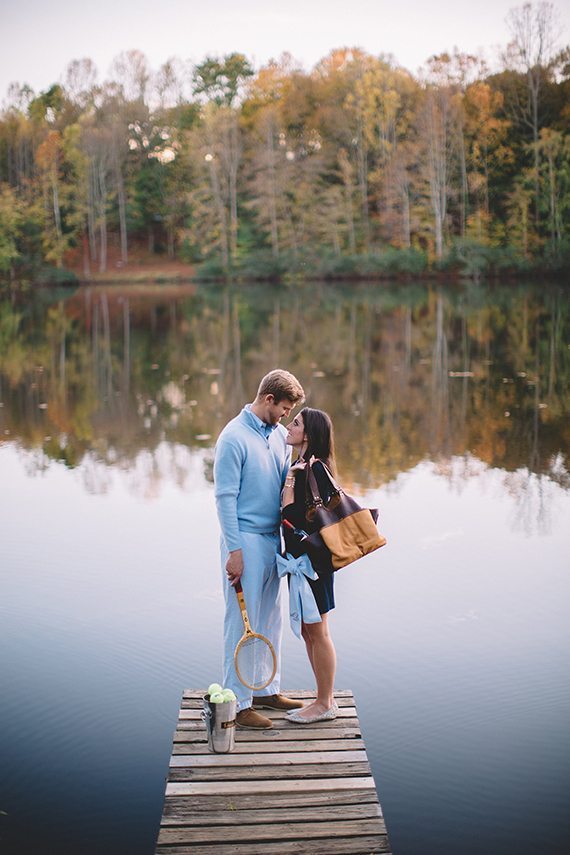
(250, 465)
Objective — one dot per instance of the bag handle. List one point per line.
(312, 482)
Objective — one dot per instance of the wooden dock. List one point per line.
(293, 788)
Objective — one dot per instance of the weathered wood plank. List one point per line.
(197, 703)
(372, 845)
(286, 759)
(274, 715)
(280, 724)
(273, 747)
(234, 804)
(275, 773)
(295, 694)
(273, 831)
(302, 732)
(232, 788)
(183, 813)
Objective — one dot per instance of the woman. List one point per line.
(311, 435)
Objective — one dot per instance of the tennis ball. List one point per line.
(216, 698)
(213, 688)
(228, 695)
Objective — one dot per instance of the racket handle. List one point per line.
(241, 601)
(298, 531)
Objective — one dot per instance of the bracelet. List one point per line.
(289, 482)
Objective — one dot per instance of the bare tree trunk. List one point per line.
(363, 183)
(348, 194)
(464, 186)
(56, 215)
(350, 219)
(122, 210)
(524, 223)
(406, 217)
(335, 238)
(534, 86)
(272, 191)
(86, 264)
(486, 191)
(436, 126)
(234, 161)
(276, 332)
(91, 216)
(102, 218)
(221, 211)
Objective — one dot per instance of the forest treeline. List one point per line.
(356, 167)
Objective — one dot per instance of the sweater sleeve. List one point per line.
(228, 463)
(286, 465)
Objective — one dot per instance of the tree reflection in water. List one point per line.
(134, 380)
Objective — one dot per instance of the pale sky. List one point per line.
(39, 37)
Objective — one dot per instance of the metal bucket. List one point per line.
(220, 721)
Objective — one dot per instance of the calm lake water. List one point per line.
(451, 415)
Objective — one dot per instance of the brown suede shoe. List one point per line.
(251, 720)
(276, 702)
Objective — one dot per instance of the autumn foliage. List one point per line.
(356, 167)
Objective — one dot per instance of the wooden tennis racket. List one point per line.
(254, 656)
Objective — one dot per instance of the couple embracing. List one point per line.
(256, 487)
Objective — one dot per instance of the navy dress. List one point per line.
(323, 587)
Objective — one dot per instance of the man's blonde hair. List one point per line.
(281, 384)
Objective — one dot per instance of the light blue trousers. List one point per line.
(262, 594)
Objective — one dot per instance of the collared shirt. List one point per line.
(262, 426)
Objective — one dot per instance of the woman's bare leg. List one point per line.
(322, 656)
(308, 644)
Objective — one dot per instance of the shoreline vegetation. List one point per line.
(392, 265)
(355, 169)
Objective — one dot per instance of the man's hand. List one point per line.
(234, 566)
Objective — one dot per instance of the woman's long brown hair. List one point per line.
(319, 430)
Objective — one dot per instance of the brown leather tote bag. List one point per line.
(346, 531)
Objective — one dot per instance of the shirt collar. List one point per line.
(262, 426)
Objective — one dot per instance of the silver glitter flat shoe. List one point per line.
(328, 715)
(296, 712)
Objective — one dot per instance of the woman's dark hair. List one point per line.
(318, 427)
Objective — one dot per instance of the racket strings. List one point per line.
(254, 662)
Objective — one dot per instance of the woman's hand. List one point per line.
(298, 466)
(301, 464)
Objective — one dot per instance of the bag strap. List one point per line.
(312, 482)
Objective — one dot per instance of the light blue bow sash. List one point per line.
(302, 603)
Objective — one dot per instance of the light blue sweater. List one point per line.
(249, 473)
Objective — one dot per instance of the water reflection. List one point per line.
(109, 377)
(449, 405)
